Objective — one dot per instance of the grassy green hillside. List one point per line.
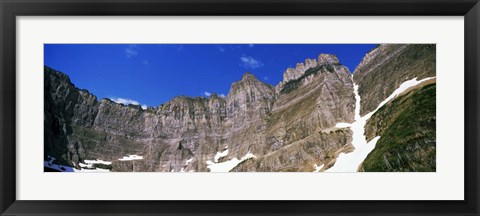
(407, 127)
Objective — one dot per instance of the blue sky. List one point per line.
(152, 74)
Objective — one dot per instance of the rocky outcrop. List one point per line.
(300, 128)
(407, 125)
(302, 154)
(65, 108)
(293, 76)
(384, 68)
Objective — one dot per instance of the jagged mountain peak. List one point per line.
(327, 59)
(248, 81)
(304, 73)
(248, 76)
(55, 74)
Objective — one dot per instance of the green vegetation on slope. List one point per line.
(416, 60)
(408, 143)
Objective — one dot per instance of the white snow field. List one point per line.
(317, 168)
(227, 165)
(98, 162)
(96, 170)
(220, 155)
(186, 164)
(62, 168)
(343, 125)
(131, 158)
(350, 162)
(188, 161)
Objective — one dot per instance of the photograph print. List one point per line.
(239, 108)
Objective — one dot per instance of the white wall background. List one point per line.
(446, 183)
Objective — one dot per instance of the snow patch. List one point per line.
(227, 165)
(317, 168)
(220, 155)
(350, 162)
(82, 165)
(98, 162)
(62, 168)
(186, 164)
(131, 158)
(96, 170)
(343, 125)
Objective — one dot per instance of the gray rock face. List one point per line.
(289, 127)
(407, 124)
(65, 108)
(386, 67)
(310, 65)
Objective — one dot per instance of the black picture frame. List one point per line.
(10, 9)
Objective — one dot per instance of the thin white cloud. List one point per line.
(222, 95)
(207, 93)
(145, 62)
(249, 62)
(127, 101)
(265, 78)
(131, 50)
(221, 49)
(251, 45)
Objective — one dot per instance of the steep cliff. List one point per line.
(185, 133)
(384, 68)
(311, 100)
(65, 108)
(302, 124)
(406, 125)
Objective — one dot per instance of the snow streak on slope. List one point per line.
(131, 157)
(186, 164)
(318, 168)
(62, 168)
(227, 165)
(188, 161)
(97, 161)
(221, 154)
(350, 162)
(90, 163)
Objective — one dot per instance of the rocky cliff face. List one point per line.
(256, 127)
(384, 68)
(65, 108)
(407, 125)
(289, 127)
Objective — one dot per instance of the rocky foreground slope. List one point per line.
(256, 127)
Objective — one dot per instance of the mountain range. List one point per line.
(320, 117)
